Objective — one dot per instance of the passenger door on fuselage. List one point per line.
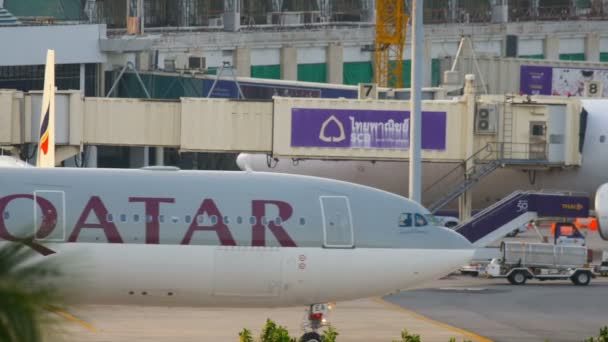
(337, 222)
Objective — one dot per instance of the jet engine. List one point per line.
(601, 210)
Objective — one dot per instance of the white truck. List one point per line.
(543, 261)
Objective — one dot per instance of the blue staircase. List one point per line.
(518, 208)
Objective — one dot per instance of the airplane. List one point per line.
(164, 236)
(392, 176)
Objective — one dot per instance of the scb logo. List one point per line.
(360, 138)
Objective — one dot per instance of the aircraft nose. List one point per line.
(243, 161)
(445, 238)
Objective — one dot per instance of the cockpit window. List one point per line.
(420, 220)
(405, 220)
(432, 220)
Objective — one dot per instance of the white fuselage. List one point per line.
(240, 239)
(176, 275)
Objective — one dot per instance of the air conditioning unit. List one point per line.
(197, 63)
(485, 119)
(169, 65)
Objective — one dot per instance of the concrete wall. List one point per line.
(27, 45)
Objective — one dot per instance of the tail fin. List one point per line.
(46, 145)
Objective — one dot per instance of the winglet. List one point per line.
(46, 145)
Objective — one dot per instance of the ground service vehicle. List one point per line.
(542, 261)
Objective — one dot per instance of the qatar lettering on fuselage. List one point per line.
(95, 208)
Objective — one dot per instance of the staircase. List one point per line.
(517, 209)
(471, 178)
(507, 130)
(453, 184)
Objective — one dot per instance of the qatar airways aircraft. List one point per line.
(392, 176)
(162, 236)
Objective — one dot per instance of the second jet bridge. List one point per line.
(517, 209)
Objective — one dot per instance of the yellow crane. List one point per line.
(391, 25)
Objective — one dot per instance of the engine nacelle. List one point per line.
(601, 210)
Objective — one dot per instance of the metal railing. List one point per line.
(520, 152)
(458, 174)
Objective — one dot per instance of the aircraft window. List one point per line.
(226, 219)
(602, 138)
(264, 220)
(7, 215)
(213, 219)
(432, 220)
(252, 220)
(110, 217)
(302, 221)
(188, 219)
(149, 218)
(136, 217)
(200, 219)
(161, 218)
(239, 220)
(420, 220)
(123, 218)
(278, 221)
(175, 219)
(405, 220)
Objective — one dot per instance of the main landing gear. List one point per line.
(315, 319)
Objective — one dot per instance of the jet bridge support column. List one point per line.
(465, 201)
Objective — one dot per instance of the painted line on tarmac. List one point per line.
(72, 318)
(466, 333)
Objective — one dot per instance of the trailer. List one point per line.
(543, 261)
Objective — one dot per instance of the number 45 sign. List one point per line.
(368, 91)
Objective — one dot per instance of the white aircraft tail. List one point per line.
(46, 142)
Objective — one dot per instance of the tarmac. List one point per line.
(370, 319)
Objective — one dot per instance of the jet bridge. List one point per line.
(517, 209)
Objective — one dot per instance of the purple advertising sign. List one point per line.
(535, 80)
(352, 128)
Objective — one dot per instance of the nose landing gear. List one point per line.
(315, 319)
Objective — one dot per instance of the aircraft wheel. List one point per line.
(517, 278)
(310, 337)
(581, 278)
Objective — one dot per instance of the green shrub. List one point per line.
(245, 336)
(407, 337)
(603, 337)
(274, 333)
(330, 335)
